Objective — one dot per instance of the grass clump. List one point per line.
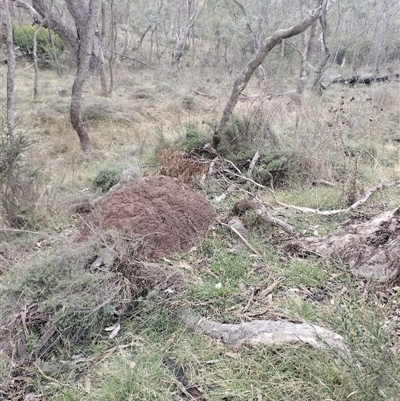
(195, 137)
(133, 375)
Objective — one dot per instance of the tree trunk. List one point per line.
(244, 76)
(85, 50)
(113, 41)
(127, 6)
(183, 33)
(35, 63)
(55, 54)
(305, 54)
(84, 47)
(6, 26)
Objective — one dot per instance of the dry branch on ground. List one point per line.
(266, 332)
(251, 202)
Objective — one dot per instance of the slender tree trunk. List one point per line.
(323, 65)
(183, 33)
(6, 26)
(85, 50)
(55, 54)
(35, 63)
(113, 40)
(127, 7)
(306, 52)
(244, 76)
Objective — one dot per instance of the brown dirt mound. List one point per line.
(165, 213)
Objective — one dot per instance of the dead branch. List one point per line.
(324, 182)
(269, 289)
(329, 212)
(16, 230)
(252, 202)
(135, 59)
(266, 332)
(240, 175)
(204, 94)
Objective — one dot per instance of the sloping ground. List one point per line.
(164, 214)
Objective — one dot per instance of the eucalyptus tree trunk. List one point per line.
(307, 42)
(127, 6)
(113, 41)
(7, 28)
(84, 54)
(182, 32)
(244, 76)
(35, 63)
(83, 45)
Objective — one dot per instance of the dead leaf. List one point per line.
(233, 355)
(197, 394)
(185, 265)
(269, 289)
(114, 330)
(88, 385)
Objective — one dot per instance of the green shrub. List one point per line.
(106, 179)
(23, 39)
(17, 180)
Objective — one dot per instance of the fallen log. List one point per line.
(366, 79)
(371, 249)
(266, 332)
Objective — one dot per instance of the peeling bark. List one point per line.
(266, 332)
(371, 249)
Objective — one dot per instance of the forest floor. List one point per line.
(95, 286)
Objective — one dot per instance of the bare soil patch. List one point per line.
(165, 214)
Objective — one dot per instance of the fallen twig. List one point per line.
(269, 289)
(250, 300)
(204, 94)
(324, 182)
(240, 175)
(16, 230)
(241, 237)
